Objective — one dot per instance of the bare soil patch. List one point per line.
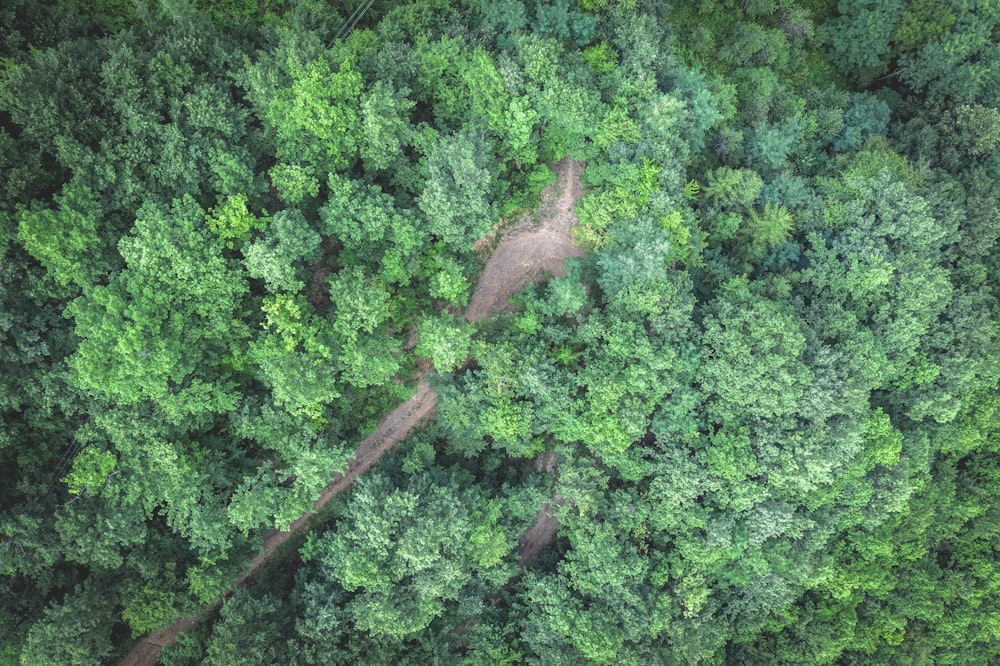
(536, 537)
(538, 244)
(545, 462)
(393, 429)
(531, 249)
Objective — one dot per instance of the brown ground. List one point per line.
(537, 244)
(530, 249)
(536, 537)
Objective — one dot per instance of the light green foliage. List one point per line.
(636, 265)
(294, 356)
(487, 90)
(569, 113)
(385, 129)
(644, 45)
(90, 470)
(733, 188)
(978, 129)
(442, 65)
(449, 284)
(293, 321)
(667, 128)
(314, 117)
(419, 458)
(294, 182)
(67, 238)
(207, 581)
(483, 403)
(629, 188)
(298, 446)
(598, 5)
(488, 542)
(457, 196)
(232, 222)
(873, 262)
(723, 226)
(567, 295)
(446, 340)
(517, 132)
(683, 239)
(598, 211)
(367, 222)
(706, 106)
(883, 442)
(768, 226)
(616, 126)
(580, 616)
(283, 255)
(361, 307)
(157, 330)
(406, 551)
(372, 362)
(360, 303)
(155, 606)
(753, 344)
(93, 531)
(600, 58)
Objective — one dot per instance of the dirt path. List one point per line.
(536, 537)
(538, 244)
(392, 430)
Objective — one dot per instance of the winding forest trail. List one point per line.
(536, 245)
(393, 429)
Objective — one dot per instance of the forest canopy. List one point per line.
(754, 422)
